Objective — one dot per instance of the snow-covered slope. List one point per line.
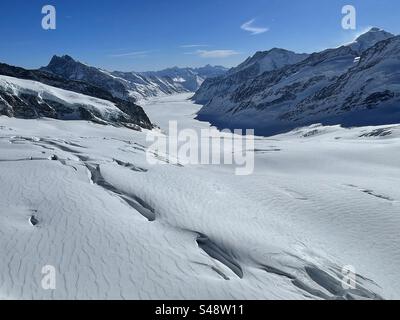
(133, 86)
(368, 94)
(56, 81)
(369, 39)
(70, 69)
(81, 197)
(254, 66)
(140, 86)
(326, 87)
(259, 102)
(189, 78)
(31, 99)
(264, 61)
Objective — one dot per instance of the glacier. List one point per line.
(81, 197)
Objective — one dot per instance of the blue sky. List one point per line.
(144, 35)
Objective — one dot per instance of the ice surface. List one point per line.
(82, 197)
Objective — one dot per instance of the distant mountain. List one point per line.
(369, 39)
(210, 71)
(189, 78)
(254, 66)
(69, 77)
(132, 86)
(264, 61)
(347, 85)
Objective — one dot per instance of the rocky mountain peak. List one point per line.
(369, 39)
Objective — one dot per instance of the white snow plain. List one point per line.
(81, 197)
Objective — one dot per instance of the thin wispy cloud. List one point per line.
(250, 27)
(131, 54)
(214, 53)
(194, 45)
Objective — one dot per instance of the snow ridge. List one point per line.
(351, 85)
(133, 86)
(31, 99)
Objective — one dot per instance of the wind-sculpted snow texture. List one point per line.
(82, 197)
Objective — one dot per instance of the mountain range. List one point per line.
(272, 92)
(69, 89)
(133, 86)
(278, 90)
(35, 93)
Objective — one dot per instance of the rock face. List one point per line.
(121, 89)
(369, 92)
(67, 68)
(264, 61)
(30, 99)
(133, 86)
(369, 39)
(189, 78)
(55, 81)
(346, 85)
(254, 66)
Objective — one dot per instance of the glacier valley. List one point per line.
(81, 196)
